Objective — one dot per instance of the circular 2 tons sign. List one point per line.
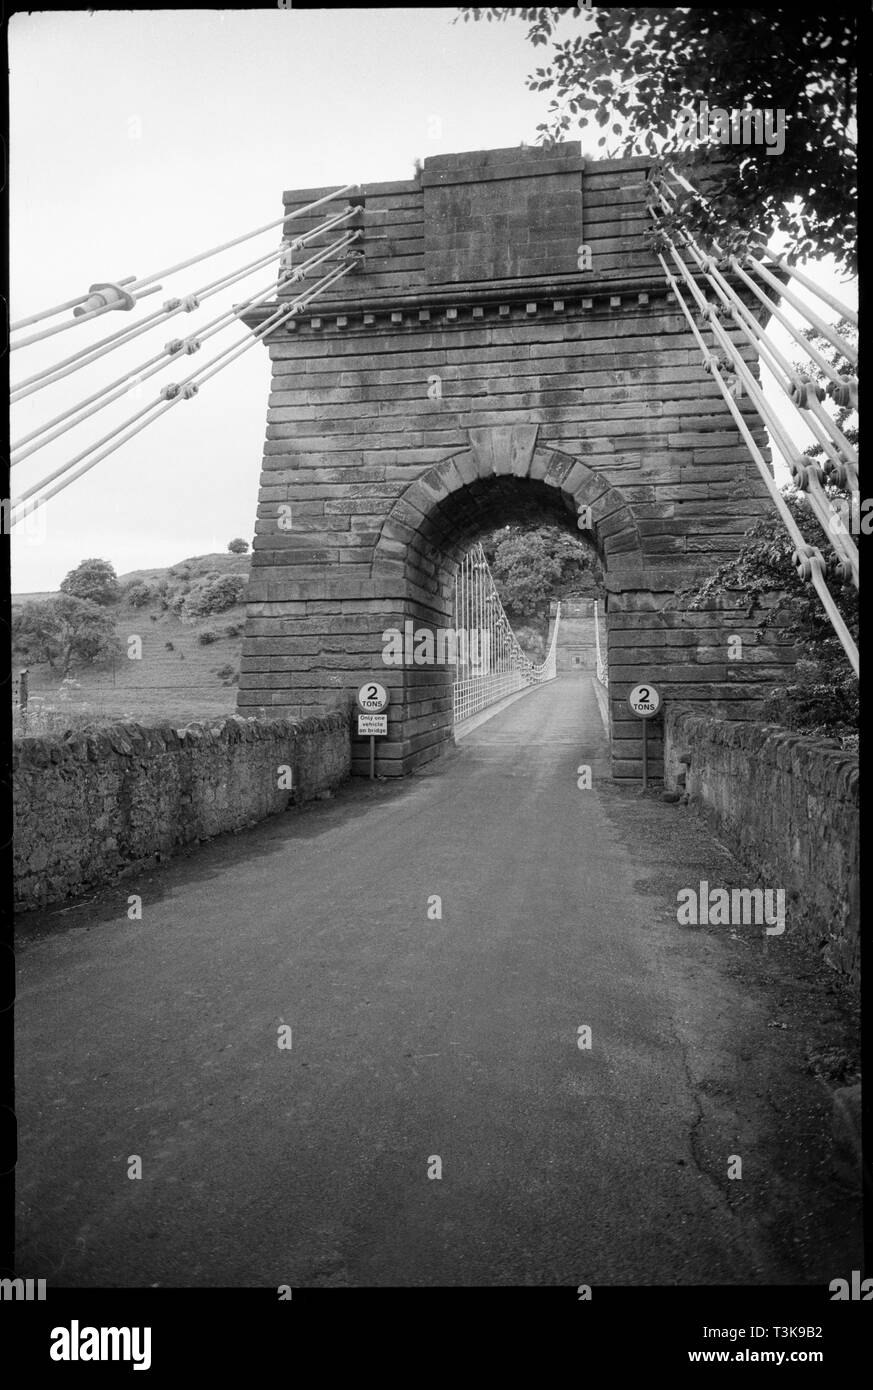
(373, 698)
(644, 701)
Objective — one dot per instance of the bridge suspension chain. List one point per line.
(130, 282)
(490, 662)
(289, 275)
(602, 674)
(170, 395)
(178, 304)
(732, 373)
(173, 348)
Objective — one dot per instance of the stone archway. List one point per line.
(504, 475)
(471, 370)
(509, 452)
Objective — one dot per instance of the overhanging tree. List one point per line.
(636, 71)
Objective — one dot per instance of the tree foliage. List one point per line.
(138, 594)
(636, 71)
(34, 631)
(63, 632)
(238, 546)
(823, 694)
(531, 566)
(823, 697)
(213, 594)
(94, 580)
(845, 411)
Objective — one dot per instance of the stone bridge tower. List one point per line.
(471, 373)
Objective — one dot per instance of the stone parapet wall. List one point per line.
(787, 806)
(91, 805)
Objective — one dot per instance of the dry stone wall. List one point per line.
(788, 807)
(89, 806)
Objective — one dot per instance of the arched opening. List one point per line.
(503, 479)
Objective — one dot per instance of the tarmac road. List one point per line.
(414, 1039)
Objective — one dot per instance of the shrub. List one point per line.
(823, 696)
(207, 636)
(138, 594)
(213, 594)
(176, 602)
(225, 672)
(820, 700)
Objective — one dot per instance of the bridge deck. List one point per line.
(414, 1038)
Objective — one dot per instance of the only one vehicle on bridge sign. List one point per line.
(374, 725)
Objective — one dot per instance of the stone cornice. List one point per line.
(471, 303)
(477, 302)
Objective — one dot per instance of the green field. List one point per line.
(177, 678)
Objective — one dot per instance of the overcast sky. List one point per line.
(138, 139)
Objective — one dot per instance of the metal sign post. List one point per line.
(644, 701)
(373, 700)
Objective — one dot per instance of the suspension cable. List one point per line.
(841, 543)
(133, 284)
(805, 475)
(802, 393)
(62, 308)
(836, 304)
(774, 309)
(155, 364)
(268, 226)
(177, 305)
(146, 409)
(807, 558)
(183, 390)
(82, 318)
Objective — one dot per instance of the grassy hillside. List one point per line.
(179, 677)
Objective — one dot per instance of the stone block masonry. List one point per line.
(788, 807)
(92, 805)
(470, 374)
